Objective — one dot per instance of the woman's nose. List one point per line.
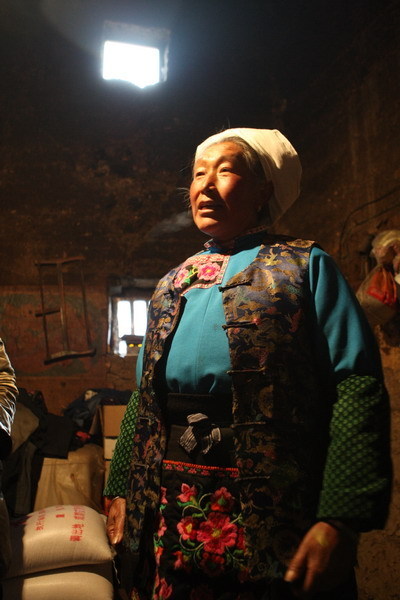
(209, 181)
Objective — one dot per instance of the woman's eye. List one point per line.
(199, 173)
(225, 169)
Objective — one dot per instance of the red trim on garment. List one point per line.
(174, 465)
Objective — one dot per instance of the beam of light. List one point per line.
(139, 65)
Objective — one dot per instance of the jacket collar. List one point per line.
(246, 240)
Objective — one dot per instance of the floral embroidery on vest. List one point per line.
(211, 536)
(201, 271)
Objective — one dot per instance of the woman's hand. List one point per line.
(323, 560)
(116, 520)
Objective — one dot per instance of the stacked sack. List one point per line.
(62, 553)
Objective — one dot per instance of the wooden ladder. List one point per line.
(66, 352)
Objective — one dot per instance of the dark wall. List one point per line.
(93, 167)
(347, 125)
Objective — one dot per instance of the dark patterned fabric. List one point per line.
(276, 403)
(281, 409)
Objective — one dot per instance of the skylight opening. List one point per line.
(138, 55)
(139, 65)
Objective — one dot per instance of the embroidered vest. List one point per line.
(280, 415)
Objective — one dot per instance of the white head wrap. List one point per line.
(278, 158)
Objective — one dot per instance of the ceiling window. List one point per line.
(137, 64)
(135, 54)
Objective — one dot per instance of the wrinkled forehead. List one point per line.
(219, 151)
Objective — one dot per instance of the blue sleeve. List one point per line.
(139, 363)
(343, 338)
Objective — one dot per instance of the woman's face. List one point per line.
(225, 196)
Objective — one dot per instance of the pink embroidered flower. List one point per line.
(203, 592)
(158, 552)
(164, 590)
(217, 533)
(222, 500)
(209, 271)
(188, 494)
(181, 276)
(212, 564)
(188, 528)
(162, 528)
(182, 561)
(163, 495)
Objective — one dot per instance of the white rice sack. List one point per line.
(75, 583)
(57, 537)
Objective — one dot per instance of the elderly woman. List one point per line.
(257, 447)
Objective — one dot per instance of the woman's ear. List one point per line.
(262, 207)
(266, 189)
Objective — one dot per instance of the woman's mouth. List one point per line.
(207, 205)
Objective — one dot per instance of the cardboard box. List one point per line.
(109, 447)
(111, 417)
